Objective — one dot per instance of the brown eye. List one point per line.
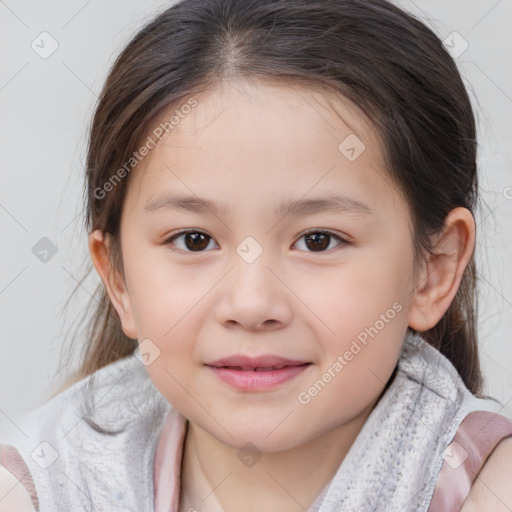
(319, 241)
(193, 241)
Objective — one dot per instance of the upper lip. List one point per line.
(247, 362)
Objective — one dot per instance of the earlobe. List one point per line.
(99, 248)
(442, 273)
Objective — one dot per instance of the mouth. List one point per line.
(256, 374)
(261, 363)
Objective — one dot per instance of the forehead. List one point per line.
(262, 137)
(266, 108)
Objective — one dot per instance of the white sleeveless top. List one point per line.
(93, 446)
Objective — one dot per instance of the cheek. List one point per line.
(162, 293)
(365, 309)
(352, 297)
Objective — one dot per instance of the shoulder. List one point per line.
(491, 489)
(13, 496)
(17, 491)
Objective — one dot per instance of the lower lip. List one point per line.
(246, 380)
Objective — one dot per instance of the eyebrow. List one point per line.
(195, 204)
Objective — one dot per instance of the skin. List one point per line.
(491, 489)
(254, 145)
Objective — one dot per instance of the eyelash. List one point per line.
(170, 240)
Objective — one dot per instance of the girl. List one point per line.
(280, 201)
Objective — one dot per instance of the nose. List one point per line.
(254, 297)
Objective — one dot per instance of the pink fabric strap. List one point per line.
(167, 465)
(476, 438)
(14, 463)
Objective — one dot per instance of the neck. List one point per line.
(215, 480)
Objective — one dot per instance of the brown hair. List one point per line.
(389, 64)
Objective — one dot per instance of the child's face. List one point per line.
(341, 307)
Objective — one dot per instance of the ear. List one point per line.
(99, 248)
(440, 277)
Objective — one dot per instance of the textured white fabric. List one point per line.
(392, 465)
(96, 471)
(394, 462)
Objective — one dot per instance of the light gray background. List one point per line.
(45, 109)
